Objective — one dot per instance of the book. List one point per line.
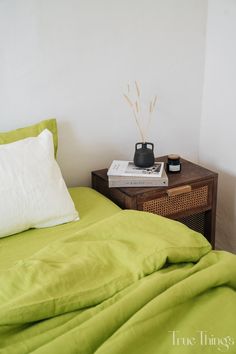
(157, 177)
(129, 169)
(115, 182)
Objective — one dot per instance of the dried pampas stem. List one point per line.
(128, 100)
(137, 111)
(139, 126)
(150, 107)
(154, 103)
(137, 89)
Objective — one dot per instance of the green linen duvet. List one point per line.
(130, 283)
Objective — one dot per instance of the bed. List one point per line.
(115, 282)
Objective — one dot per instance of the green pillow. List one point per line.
(32, 130)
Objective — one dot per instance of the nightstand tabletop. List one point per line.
(190, 172)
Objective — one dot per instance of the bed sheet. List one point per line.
(92, 207)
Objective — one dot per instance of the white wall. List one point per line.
(218, 125)
(71, 59)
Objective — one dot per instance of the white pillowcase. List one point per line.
(33, 193)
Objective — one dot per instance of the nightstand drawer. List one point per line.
(174, 202)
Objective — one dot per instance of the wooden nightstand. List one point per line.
(190, 197)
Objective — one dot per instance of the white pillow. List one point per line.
(33, 193)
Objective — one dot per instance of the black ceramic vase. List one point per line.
(144, 155)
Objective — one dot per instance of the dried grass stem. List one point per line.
(137, 111)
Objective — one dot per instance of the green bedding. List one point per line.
(92, 207)
(131, 282)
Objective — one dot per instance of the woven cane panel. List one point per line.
(174, 204)
(196, 222)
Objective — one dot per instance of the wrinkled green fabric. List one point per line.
(92, 207)
(126, 284)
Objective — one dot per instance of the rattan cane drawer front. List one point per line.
(169, 205)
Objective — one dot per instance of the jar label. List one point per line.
(174, 168)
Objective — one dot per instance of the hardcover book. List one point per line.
(128, 169)
(126, 174)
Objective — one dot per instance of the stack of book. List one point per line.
(126, 174)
